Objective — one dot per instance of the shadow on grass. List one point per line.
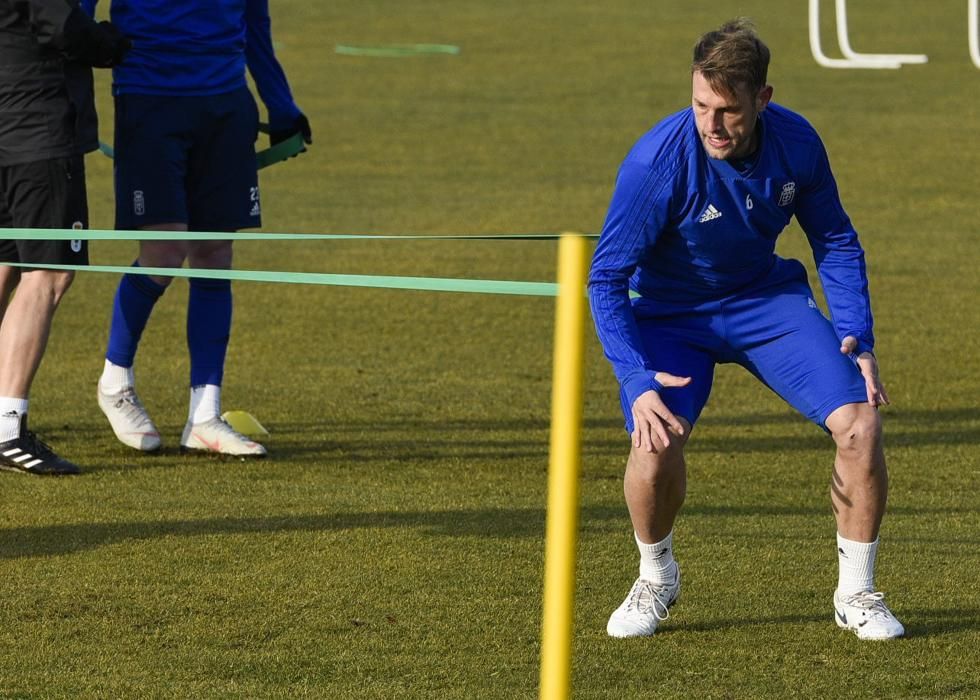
(434, 440)
(903, 428)
(47, 540)
(931, 623)
(740, 622)
(416, 438)
(918, 622)
(941, 416)
(432, 444)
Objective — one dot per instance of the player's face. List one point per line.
(726, 122)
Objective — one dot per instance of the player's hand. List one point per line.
(96, 44)
(868, 364)
(113, 45)
(651, 417)
(301, 126)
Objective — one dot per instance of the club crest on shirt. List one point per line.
(787, 194)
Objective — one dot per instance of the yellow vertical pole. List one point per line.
(563, 470)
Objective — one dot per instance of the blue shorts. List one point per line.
(187, 159)
(776, 331)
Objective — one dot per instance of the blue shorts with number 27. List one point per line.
(187, 159)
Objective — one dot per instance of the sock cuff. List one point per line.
(144, 284)
(115, 377)
(657, 547)
(856, 564)
(843, 542)
(209, 284)
(13, 403)
(205, 403)
(657, 559)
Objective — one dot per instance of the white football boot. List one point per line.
(217, 437)
(129, 420)
(866, 614)
(645, 607)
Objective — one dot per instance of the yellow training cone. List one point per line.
(244, 422)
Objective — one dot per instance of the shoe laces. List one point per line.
(222, 427)
(871, 602)
(37, 447)
(646, 598)
(130, 403)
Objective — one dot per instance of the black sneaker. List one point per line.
(28, 454)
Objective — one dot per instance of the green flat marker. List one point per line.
(244, 422)
(396, 50)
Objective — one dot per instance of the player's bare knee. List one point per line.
(857, 430)
(60, 284)
(214, 255)
(162, 254)
(663, 461)
(46, 286)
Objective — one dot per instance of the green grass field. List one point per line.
(392, 546)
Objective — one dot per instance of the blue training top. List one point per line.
(684, 229)
(190, 47)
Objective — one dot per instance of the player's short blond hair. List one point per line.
(732, 57)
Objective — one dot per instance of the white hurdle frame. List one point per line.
(845, 44)
(973, 20)
(824, 60)
(852, 59)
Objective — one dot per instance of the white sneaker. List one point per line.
(220, 438)
(129, 420)
(867, 615)
(644, 608)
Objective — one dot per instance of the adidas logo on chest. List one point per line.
(709, 214)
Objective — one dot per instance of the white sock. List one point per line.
(857, 566)
(657, 559)
(205, 403)
(12, 409)
(115, 378)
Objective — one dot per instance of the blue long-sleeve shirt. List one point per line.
(684, 229)
(200, 47)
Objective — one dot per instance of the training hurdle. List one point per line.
(973, 30)
(849, 53)
(852, 59)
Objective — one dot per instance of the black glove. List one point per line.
(300, 126)
(100, 44)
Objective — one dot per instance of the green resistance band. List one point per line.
(274, 154)
(283, 150)
(68, 234)
(396, 50)
(428, 284)
(436, 284)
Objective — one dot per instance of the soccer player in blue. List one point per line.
(691, 232)
(185, 130)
